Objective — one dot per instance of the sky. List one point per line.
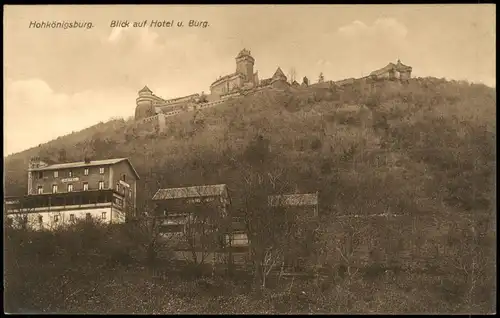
(61, 80)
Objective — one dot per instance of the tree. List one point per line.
(197, 226)
(145, 229)
(305, 81)
(62, 155)
(321, 78)
(277, 236)
(292, 74)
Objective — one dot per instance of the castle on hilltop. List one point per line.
(393, 71)
(151, 108)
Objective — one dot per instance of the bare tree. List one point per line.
(278, 236)
(21, 215)
(145, 227)
(198, 227)
(293, 74)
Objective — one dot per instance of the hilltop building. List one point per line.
(393, 71)
(244, 77)
(153, 110)
(59, 194)
(148, 104)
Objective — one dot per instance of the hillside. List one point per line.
(424, 150)
(321, 139)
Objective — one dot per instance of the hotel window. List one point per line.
(72, 217)
(70, 174)
(40, 189)
(117, 187)
(85, 186)
(70, 187)
(124, 178)
(56, 174)
(86, 171)
(54, 188)
(56, 218)
(40, 174)
(101, 185)
(101, 170)
(103, 215)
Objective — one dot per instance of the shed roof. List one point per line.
(190, 192)
(293, 199)
(401, 67)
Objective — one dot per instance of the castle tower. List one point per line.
(244, 65)
(144, 103)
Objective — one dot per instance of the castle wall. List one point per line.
(171, 108)
(405, 75)
(144, 108)
(280, 84)
(229, 95)
(179, 100)
(327, 84)
(256, 79)
(150, 124)
(161, 122)
(227, 85)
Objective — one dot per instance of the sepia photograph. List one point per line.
(249, 159)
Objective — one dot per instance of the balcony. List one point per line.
(64, 201)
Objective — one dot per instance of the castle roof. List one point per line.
(383, 70)
(279, 73)
(265, 81)
(244, 52)
(400, 67)
(226, 77)
(145, 90)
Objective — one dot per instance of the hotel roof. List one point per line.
(79, 164)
